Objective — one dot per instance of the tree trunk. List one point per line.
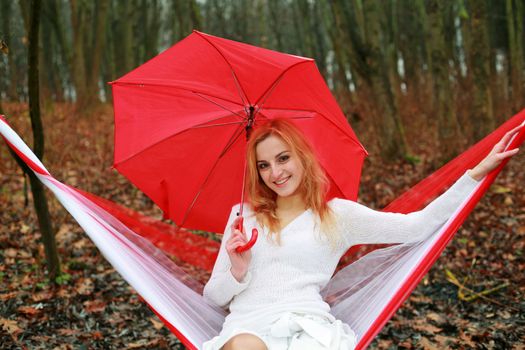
(336, 30)
(150, 13)
(320, 43)
(515, 15)
(63, 65)
(442, 101)
(274, 9)
(11, 68)
(387, 122)
(98, 44)
(39, 198)
(481, 111)
(78, 64)
(195, 15)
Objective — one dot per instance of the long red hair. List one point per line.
(314, 185)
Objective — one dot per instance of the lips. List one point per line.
(282, 181)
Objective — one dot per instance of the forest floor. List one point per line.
(94, 308)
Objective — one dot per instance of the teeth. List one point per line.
(282, 181)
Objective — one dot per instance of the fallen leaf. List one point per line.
(94, 306)
(28, 310)
(508, 201)
(156, 323)
(43, 295)
(427, 344)
(427, 327)
(10, 252)
(437, 318)
(10, 326)
(500, 189)
(84, 286)
(97, 335)
(67, 331)
(7, 296)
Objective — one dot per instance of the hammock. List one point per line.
(364, 294)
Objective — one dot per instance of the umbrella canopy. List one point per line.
(181, 118)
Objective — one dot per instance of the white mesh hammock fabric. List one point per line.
(364, 294)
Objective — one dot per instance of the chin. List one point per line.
(286, 192)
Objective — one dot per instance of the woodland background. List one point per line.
(419, 81)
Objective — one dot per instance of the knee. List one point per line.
(244, 341)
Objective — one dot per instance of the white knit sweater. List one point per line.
(289, 277)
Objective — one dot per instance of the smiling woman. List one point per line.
(283, 172)
(273, 290)
(285, 177)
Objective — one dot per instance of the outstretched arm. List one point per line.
(362, 225)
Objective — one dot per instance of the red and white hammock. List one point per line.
(364, 294)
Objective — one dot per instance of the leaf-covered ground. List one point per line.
(93, 308)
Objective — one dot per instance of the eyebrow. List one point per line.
(277, 156)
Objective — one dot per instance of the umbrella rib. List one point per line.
(142, 83)
(328, 119)
(231, 141)
(292, 109)
(215, 103)
(269, 92)
(271, 87)
(221, 124)
(240, 90)
(164, 139)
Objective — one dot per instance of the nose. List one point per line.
(276, 172)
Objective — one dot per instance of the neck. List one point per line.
(291, 203)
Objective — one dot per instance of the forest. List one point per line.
(419, 81)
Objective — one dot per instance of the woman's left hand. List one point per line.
(496, 156)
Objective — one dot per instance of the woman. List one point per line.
(272, 290)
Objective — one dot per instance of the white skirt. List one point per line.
(295, 331)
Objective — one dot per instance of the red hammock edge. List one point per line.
(415, 277)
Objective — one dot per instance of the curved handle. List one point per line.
(252, 240)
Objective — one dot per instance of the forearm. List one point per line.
(223, 287)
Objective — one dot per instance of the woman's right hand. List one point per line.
(239, 261)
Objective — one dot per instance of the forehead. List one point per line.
(270, 147)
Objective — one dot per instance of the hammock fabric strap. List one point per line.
(412, 281)
(413, 199)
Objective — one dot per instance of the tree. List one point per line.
(515, 15)
(39, 198)
(442, 98)
(87, 48)
(479, 63)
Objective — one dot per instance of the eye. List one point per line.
(284, 158)
(262, 166)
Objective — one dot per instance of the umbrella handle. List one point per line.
(252, 240)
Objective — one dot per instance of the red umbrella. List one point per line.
(181, 121)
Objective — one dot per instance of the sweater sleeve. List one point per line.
(222, 286)
(362, 225)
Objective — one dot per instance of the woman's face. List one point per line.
(278, 166)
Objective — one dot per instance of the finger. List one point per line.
(511, 133)
(233, 246)
(240, 233)
(507, 154)
(235, 222)
(240, 240)
(234, 238)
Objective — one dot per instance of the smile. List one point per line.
(282, 181)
